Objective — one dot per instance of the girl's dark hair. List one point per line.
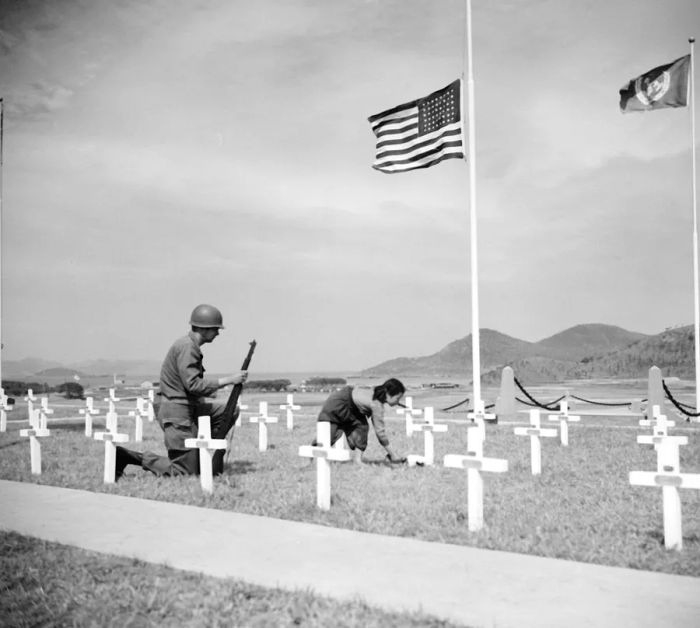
(389, 388)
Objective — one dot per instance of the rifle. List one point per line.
(229, 418)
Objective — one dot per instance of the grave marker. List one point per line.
(34, 433)
(88, 411)
(475, 463)
(207, 446)
(408, 412)
(670, 479)
(30, 399)
(290, 407)
(262, 419)
(428, 428)
(139, 414)
(324, 454)
(563, 417)
(659, 422)
(150, 400)
(479, 416)
(535, 432)
(112, 400)
(110, 437)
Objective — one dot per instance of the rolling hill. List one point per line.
(574, 352)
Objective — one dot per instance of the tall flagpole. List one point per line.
(471, 161)
(695, 226)
(2, 136)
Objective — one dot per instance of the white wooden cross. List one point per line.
(110, 437)
(564, 418)
(535, 432)
(670, 479)
(139, 414)
(475, 463)
(30, 399)
(289, 407)
(88, 411)
(324, 454)
(659, 422)
(479, 416)
(43, 410)
(112, 400)
(428, 428)
(34, 432)
(262, 419)
(207, 446)
(408, 412)
(150, 400)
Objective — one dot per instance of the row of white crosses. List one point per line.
(667, 475)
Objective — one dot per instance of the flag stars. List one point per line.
(437, 111)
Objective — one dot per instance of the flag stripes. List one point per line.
(419, 134)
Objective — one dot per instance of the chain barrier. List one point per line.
(538, 405)
(602, 403)
(679, 406)
(545, 406)
(455, 406)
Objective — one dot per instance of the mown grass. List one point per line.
(47, 584)
(581, 508)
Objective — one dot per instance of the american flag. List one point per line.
(421, 133)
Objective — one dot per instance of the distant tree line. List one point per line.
(263, 385)
(71, 390)
(325, 381)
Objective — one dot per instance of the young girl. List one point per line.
(348, 411)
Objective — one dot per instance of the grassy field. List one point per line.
(46, 584)
(581, 507)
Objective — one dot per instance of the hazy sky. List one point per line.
(163, 153)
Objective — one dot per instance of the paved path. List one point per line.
(470, 586)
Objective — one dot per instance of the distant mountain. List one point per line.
(118, 367)
(456, 357)
(26, 367)
(673, 351)
(30, 367)
(550, 355)
(586, 341)
(60, 371)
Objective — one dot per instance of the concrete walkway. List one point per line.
(470, 586)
